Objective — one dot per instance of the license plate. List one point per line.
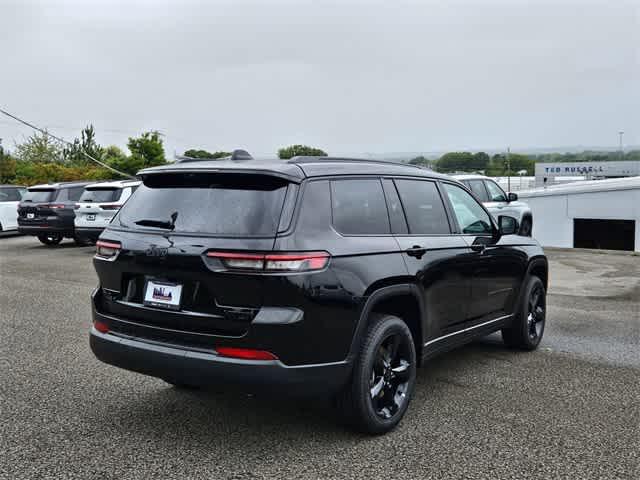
(91, 216)
(31, 215)
(163, 294)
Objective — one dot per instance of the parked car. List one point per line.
(319, 276)
(47, 211)
(10, 196)
(98, 204)
(498, 202)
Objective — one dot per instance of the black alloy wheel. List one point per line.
(50, 238)
(536, 313)
(390, 376)
(383, 378)
(529, 320)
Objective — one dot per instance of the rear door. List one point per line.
(435, 256)
(166, 230)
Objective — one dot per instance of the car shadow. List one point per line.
(198, 416)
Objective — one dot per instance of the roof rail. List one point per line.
(237, 154)
(311, 159)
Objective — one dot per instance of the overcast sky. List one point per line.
(348, 76)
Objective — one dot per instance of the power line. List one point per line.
(62, 140)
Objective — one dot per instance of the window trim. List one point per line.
(404, 211)
(458, 230)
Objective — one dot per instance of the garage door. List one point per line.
(604, 234)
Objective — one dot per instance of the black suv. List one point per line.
(47, 211)
(317, 275)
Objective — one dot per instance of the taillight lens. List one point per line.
(106, 249)
(55, 205)
(245, 353)
(76, 206)
(273, 262)
(101, 326)
(109, 207)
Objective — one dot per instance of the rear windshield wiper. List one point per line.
(168, 225)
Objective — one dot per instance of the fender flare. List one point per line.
(377, 296)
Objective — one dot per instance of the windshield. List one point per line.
(101, 195)
(217, 204)
(38, 196)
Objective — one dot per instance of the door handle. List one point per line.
(478, 247)
(416, 251)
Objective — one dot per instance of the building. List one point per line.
(553, 173)
(603, 214)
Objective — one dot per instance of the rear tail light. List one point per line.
(110, 207)
(245, 353)
(55, 205)
(76, 206)
(101, 326)
(106, 249)
(273, 262)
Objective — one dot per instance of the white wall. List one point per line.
(553, 214)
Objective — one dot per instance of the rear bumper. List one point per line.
(91, 233)
(49, 225)
(207, 369)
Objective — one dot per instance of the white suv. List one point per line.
(10, 196)
(98, 204)
(498, 202)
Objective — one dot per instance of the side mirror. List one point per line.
(512, 197)
(508, 225)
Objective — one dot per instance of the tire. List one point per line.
(369, 402)
(83, 242)
(50, 239)
(526, 331)
(526, 227)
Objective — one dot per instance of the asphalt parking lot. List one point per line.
(569, 410)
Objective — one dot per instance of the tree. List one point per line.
(204, 154)
(74, 153)
(455, 162)
(39, 148)
(147, 150)
(7, 167)
(480, 161)
(116, 158)
(300, 150)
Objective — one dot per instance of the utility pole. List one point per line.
(508, 169)
(621, 133)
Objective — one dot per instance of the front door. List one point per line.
(497, 266)
(435, 257)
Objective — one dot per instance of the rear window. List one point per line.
(38, 196)
(216, 204)
(477, 187)
(423, 206)
(359, 207)
(101, 195)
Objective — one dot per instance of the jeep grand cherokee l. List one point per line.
(47, 211)
(317, 275)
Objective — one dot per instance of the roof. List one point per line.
(115, 184)
(8, 185)
(53, 186)
(469, 176)
(588, 186)
(298, 168)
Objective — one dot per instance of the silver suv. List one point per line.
(498, 202)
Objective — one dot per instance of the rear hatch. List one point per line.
(37, 203)
(97, 206)
(164, 233)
